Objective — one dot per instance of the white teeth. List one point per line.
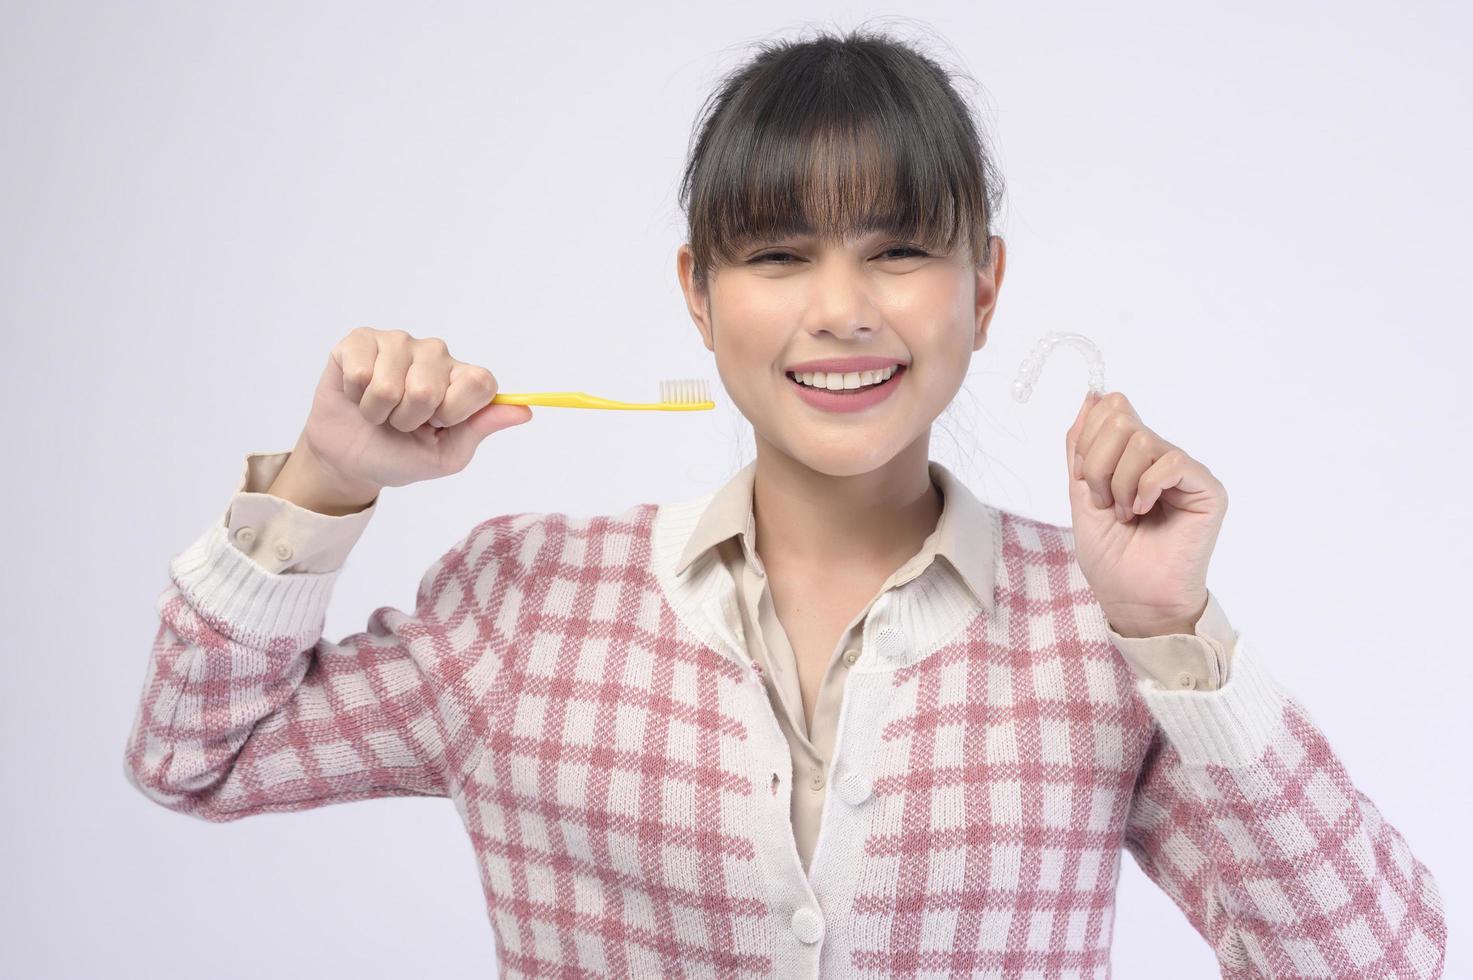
(839, 382)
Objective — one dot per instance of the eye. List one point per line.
(910, 249)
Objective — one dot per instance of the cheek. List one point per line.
(943, 354)
(745, 351)
(749, 299)
(748, 338)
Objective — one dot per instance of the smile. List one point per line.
(849, 399)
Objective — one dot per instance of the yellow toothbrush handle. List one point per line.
(557, 399)
(580, 399)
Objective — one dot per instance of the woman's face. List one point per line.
(794, 300)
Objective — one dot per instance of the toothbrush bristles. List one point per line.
(683, 391)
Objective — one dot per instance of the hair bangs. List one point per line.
(840, 183)
(836, 140)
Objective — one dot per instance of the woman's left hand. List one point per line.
(1148, 570)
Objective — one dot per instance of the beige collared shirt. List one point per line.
(286, 538)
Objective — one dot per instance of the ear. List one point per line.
(989, 282)
(697, 301)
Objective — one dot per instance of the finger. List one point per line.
(424, 384)
(1173, 470)
(389, 368)
(1105, 405)
(471, 389)
(1071, 437)
(459, 442)
(1141, 451)
(355, 354)
(1102, 458)
(1120, 403)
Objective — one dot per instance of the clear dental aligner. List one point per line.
(1032, 365)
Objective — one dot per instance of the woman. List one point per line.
(640, 716)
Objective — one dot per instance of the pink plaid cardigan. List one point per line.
(618, 768)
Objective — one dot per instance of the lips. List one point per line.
(844, 365)
(892, 366)
(852, 399)
(843, 391)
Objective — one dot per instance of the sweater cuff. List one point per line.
(1230, 726)
(238, 598)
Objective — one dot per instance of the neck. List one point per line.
(811, 520)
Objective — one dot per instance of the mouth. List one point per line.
(852, 402)
(850, 392)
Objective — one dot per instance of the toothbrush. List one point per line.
(683, 395)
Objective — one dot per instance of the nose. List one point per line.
(839, 301)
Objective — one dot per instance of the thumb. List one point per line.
(494, 417)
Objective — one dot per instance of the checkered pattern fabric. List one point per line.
(624, 782)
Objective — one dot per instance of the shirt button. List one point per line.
(245, 535)
(1186, 679)
(807, 926)
(283, 550)
(850, 656)
(816, 781)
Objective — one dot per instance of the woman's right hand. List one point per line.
(391, 409)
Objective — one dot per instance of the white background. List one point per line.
(1261, 214)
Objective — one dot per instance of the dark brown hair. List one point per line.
(838, 135)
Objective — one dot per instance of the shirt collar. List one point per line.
(963, 534)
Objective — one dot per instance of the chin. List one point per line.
(852, 455)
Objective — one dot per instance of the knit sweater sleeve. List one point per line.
(246, 708)
(1246, 818)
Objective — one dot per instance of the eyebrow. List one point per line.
(805, 230)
